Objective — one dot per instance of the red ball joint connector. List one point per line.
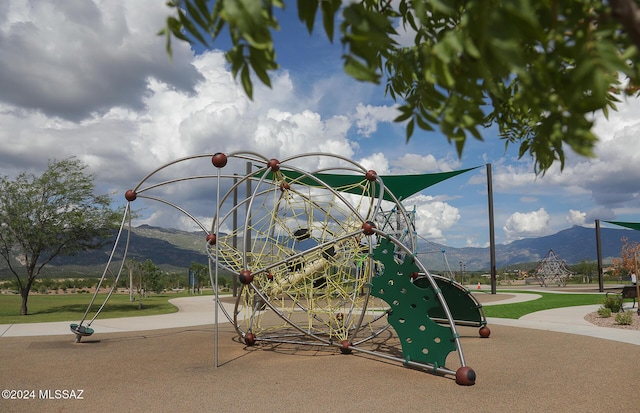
(130, 195)
(245, 277)
(274, 165)
(219, 160)
(368, 227)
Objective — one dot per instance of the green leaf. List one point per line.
(423, 124)
(476, 134)
(329, 10)
(247, 85)
(203, 9)
(410, 126)
(459, 141)
(406, 113)
(195, 13)
(235, 57)
(307, 12)
(175, 27)
(190, 27)
(260, 63)
(359, 71)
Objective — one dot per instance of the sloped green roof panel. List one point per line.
(402, 186)
(630, 225)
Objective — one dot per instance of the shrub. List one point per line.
(604, 312)
(613, 302)
(624, 318)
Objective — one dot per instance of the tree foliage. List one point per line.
(200, 276)
(537, 69)
(42, 217)
(629, 256)
(153, 279)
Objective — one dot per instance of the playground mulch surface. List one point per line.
(518, 370)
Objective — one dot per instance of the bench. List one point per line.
(628, 291)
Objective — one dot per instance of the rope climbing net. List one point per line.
(303, 242)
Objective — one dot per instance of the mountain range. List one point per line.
(174, 250)
(573, 245)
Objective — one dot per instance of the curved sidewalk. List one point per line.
(570, 320)
(200, 310)
(192, 311)
(562, 320)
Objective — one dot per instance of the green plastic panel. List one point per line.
(461, 305)
(422, 339)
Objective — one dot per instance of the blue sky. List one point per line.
(91, 79)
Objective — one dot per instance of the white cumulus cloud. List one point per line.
(527, 224)
(576, 217)
(367, 117)
(433, 217)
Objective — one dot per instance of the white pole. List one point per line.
(130, 284)
(215, 286)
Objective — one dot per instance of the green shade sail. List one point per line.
(630, 225)
(402, 186)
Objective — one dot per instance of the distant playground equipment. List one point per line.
(552, 270)
(324, 258)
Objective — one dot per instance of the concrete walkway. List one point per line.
(192, 311)
(570, 320)
(563, 320)
(196, 311)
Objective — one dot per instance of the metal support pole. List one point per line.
(131, 299)
(234, 277)
(247, 235)
(216, 279)
(599, 252)
(492, 236)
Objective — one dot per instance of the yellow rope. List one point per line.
(330, 287)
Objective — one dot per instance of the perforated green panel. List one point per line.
(422, 339)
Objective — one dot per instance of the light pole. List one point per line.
(461, 279)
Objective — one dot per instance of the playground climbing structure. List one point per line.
(324, 258)
(552, 270)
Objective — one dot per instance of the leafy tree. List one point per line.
(537, 69)
(629, 256)
(152, 277)
(176, 280)
(586, 268)
(201, 275)
(134, 273)
(42, 217)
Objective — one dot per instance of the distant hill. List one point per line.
(572, 245)
(170, 249)
(174, 250)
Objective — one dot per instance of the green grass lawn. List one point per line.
(71, 307)
(546, 302)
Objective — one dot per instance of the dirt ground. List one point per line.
(518, 370)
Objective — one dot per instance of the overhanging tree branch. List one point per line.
(628, 14)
